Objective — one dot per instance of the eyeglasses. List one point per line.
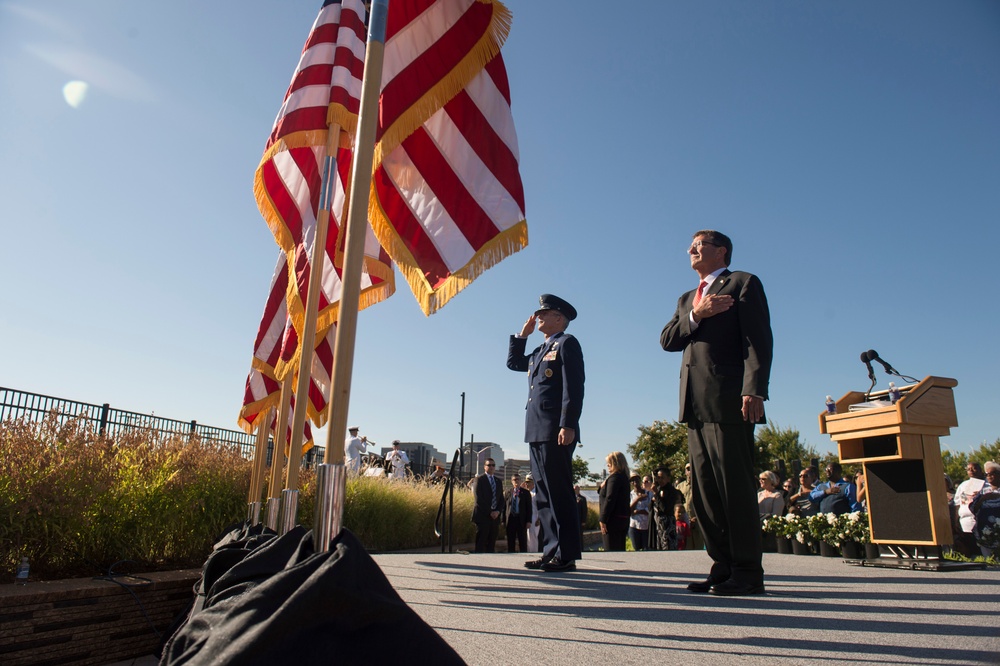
(490, 465)
(699, 243)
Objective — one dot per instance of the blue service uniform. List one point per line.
(555, 400)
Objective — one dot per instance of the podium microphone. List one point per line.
(889, 370)
(866, 358)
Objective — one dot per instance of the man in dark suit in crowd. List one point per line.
(488, 509)
(552, 427)
(518, 515)
(723, 329)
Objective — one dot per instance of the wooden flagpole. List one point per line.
(273, 503)
(257, 471)
(329, 513)
(307, 342)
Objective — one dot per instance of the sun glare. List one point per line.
(74, 93)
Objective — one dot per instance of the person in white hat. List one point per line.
(354, 446)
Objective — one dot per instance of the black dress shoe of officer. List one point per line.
(703, 586)
(537, 564)
(555, 564)
(733, 588)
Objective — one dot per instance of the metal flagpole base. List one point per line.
(289, 509)
(331, 490)
(273, 510)
(253, 513)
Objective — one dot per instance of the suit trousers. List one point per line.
(552, 468)
(725, 498)
(517, 534)
(486, 535)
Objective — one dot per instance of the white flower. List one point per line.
(831, 518)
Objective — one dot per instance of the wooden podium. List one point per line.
(898, 447)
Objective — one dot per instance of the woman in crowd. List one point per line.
(986, 507)
(638, 525)
(614, 505)
(770, 500)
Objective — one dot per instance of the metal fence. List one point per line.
(108, 420)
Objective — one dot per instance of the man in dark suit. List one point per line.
(488, 509)
(552, 427)
(723, 329)
(518, 515)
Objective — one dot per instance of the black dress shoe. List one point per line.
(555, 564)
(703, 586)
(537, 564)
(733, 588)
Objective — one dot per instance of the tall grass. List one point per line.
(75, 503)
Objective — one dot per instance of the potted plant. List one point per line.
(775, 527)
(824, 528)
(798, 530)
(853, 534)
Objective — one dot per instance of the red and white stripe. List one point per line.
(447, 198)
(325, 87)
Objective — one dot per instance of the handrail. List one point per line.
(446, 508)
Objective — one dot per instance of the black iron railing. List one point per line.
(108, 420)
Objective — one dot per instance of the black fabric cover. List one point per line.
(333, 607)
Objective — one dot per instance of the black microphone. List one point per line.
(866, 358)
(889, 370)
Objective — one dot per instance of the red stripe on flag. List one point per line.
(409, 230)
(490, 148)
(461, 206)
(413, 81)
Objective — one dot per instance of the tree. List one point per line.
(776, 443)
(987, 452)
(663, 443)
(580, 469)
(954, 465)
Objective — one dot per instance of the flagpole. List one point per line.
(332, 476)
(257, 471)
(274, 501)
(307, 342)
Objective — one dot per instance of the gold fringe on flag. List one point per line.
(453, 83)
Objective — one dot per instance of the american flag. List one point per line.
(275, 338)
(324, 88)
(446, 199)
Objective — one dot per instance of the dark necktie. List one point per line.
(493, 493)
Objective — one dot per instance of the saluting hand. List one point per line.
(528, 328)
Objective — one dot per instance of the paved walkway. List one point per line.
(632, 608)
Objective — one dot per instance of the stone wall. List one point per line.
(90, 621)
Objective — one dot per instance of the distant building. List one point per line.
(476, 454)
(516, 466)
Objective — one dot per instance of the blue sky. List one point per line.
(850, 149)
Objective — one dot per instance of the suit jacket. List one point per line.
(555, 385)
(484, 497)
(523, 505)
(727, 356)
(615, 505)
